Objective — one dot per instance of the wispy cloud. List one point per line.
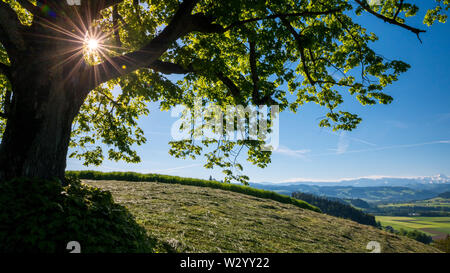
(343, 143)
(342, 146)
(397, 124)
(293, 153)
(355, 139)
(390, 147)
(345, 140)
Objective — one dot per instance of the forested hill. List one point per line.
(373, 194)
(336, 208)
(445, 194)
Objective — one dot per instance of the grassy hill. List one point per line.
(186, 218)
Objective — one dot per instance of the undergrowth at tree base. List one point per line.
(42, 216)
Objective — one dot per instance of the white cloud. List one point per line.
(388, 147)
(293, 153)
(401, 146)
(397, 124)
(343, 144)
(355, 139)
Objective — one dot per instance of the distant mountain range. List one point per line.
(370, 189)
(375, 181)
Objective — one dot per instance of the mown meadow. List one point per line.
(138, 177)
(187, 218)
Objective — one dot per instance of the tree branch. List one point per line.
(110, 3)
(180, 25)
(283, 15)
(390, 20)
(7, 102)
(253, 72)
(29, 7)
(110, 99)
(4, 69)
(400, 5)
(93, 8)
(234, 90)
(136, 9)
(173, 68)
(256, 96)
(115, 18)
(10, 29)
(204, 23)
(301, 49)
(169, 68)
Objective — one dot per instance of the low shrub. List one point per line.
(138, 177)
(43, 216)
(416, 235)
(443, 244)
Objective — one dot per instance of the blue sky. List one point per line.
(410, 137)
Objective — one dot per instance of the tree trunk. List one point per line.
(37, 134)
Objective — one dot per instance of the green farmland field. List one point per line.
(437, 227)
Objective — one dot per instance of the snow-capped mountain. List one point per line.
(373, 181)
(436, 179)
(396, 181)
(374, 188)
(377, 181)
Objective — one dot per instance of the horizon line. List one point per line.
(373, 177)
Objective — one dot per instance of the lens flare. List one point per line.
(82, 45)
(92, 44)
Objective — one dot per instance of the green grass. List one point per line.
(186, 218)
(437, 227)
(137, 177)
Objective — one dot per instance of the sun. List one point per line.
(94, 47)
(92, 44)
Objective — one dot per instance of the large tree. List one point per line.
(56, 84)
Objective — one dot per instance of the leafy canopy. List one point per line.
(238, 52)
